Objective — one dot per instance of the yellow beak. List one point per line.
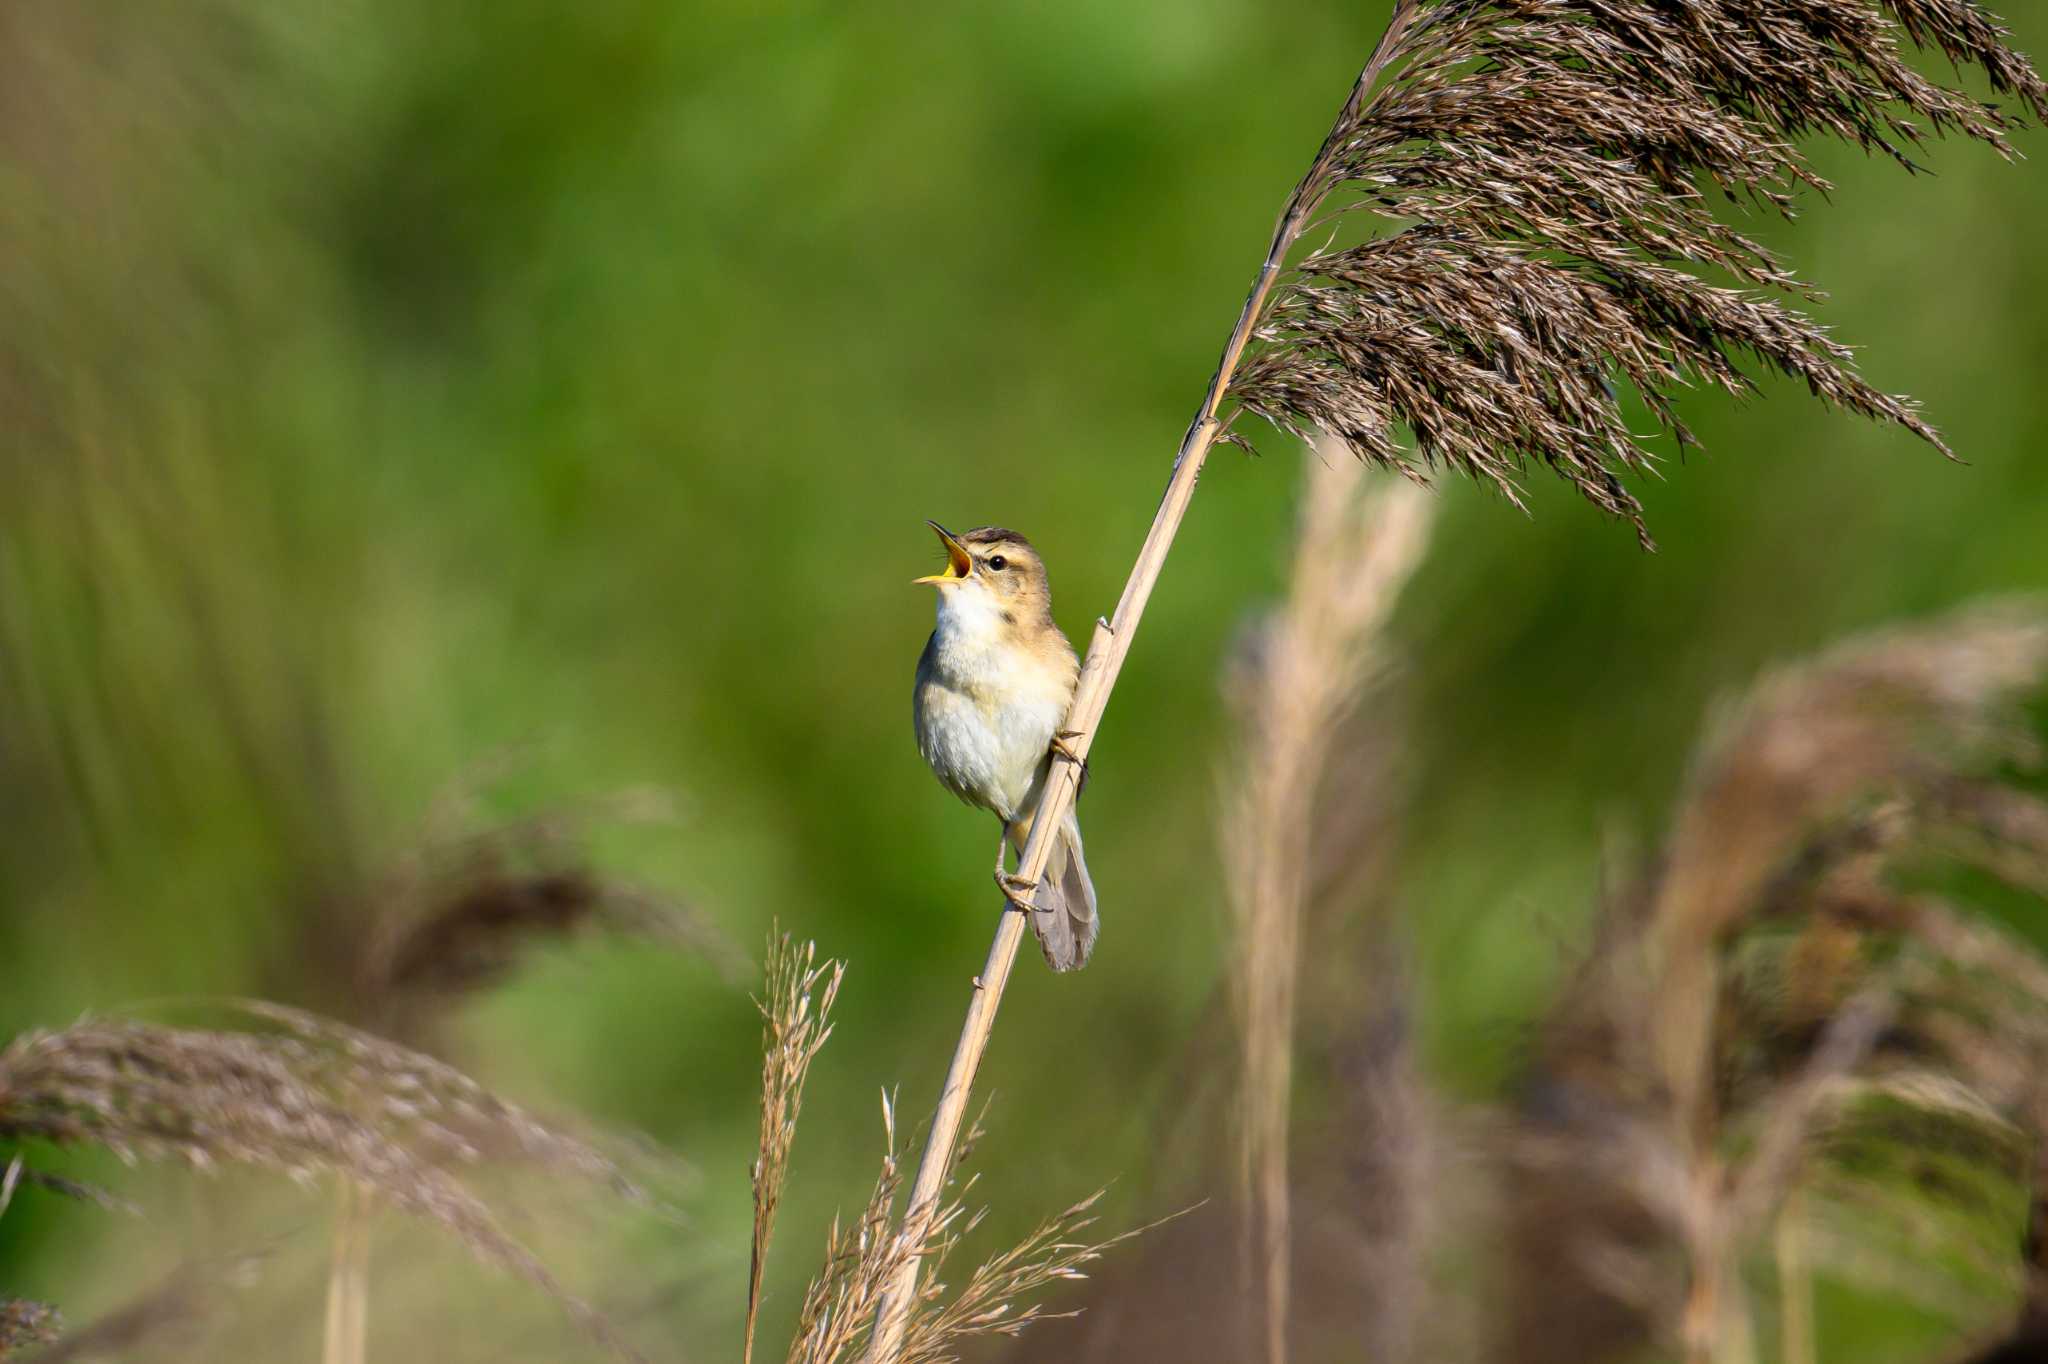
(959, 563)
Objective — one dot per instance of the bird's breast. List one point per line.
(985, 727)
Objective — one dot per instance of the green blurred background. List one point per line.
(387, 388)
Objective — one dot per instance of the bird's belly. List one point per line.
(986, 754)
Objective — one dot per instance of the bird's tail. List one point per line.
(1065, 920)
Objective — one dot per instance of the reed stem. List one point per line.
(346, 1339)
(1099, 669)
(1796, 1339)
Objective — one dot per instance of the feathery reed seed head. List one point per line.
(796, 1008)
(1783, 1004)
(458, 913)
(309, 1097)
(1542, 168)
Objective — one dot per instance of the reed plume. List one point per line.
(796, 1007)
(1780, 1005)
(458, 912)
(1537, 169)
(307, 1097)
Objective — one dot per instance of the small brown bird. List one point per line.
(993, 687)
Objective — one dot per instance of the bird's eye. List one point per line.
(999, 563)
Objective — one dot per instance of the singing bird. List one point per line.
(993, 686)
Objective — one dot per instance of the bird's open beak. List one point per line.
(958, 561)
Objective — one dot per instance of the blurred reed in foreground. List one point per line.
(304, 1097)
(1301, 674)
(1806, 1008)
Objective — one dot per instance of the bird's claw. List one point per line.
(1017, 891)
(1062, 744)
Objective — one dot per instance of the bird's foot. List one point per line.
(1017, 891)
(1063, 744)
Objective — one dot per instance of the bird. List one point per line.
(993, 687)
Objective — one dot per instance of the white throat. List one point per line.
(970, 629)
(969, 613)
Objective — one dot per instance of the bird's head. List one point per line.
(992, 571)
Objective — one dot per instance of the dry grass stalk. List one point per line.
(861, 1260)
(346, 1337)
(1769, 984)
(1310, 663)
(1795, 1285)
(992, 1301)
(842, 1308)
(1543, 156)
(312, 1097)
(794, 1030)
(863, 1257)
